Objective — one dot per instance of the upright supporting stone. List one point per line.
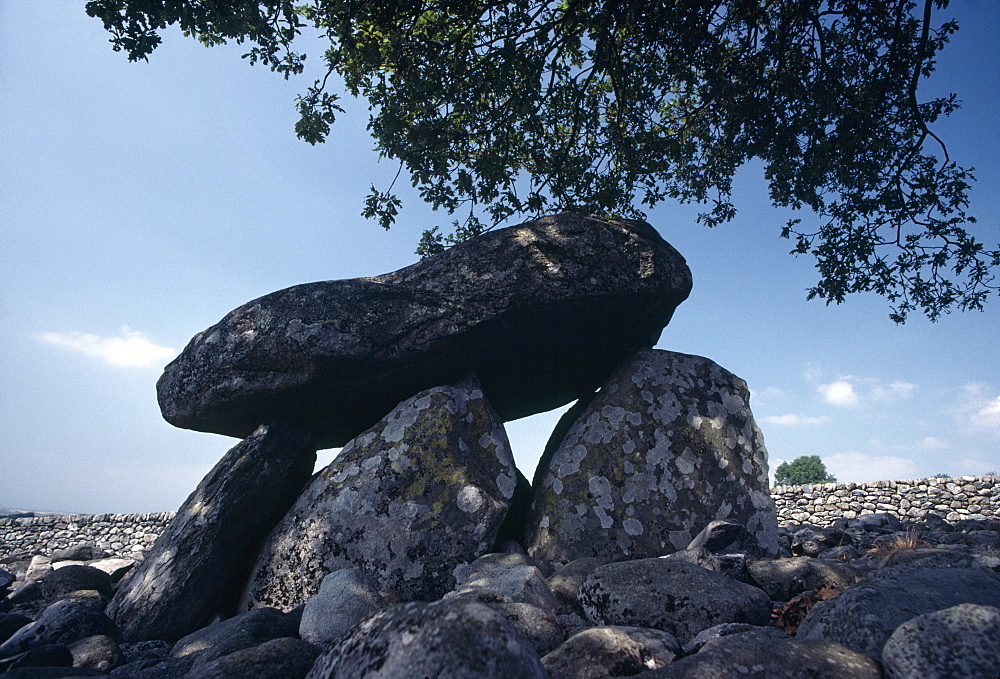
(667, 446)
(199, 563)
(421, 492)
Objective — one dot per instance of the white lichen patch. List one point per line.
(632, 526)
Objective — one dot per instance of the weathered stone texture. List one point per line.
(450, 639)
(674, 596)
(423, 491)
(540, 312)
(667, 446)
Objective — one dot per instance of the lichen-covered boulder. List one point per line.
(961, 641)
(864, 616)
(606, 652)
(540, 312)
(448, 639)
(64, 622)
(759, 655)
(424, 490)
(197, 567)
(668, 445)
(674, 596)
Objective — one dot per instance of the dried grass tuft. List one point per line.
(883, 548)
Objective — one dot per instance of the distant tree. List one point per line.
(518, 107)
(942, 475)
(802, 470)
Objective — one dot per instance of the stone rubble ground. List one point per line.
(917, 599)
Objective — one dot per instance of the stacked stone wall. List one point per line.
(952, 499)
(120, 534)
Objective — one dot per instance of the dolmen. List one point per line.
(646, 543)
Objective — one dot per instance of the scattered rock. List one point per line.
(699, 557)
(961, 641)
(64, 622)
(718, 535)
(449, 639)
(517, 306)
(235, 634)
(39, 567)
(10, 623)
(600, 652)
(346, 597)
(667, 446)
(504, 578)
(162, 668)
(565, 583)
(44, 655)
(783, 579)
(81, 552)
(6, 579)
(196, 568)
(726, 629)
(886, 602)
(99, 652)
(539, 625)
(759, 655)
(284, 658)
(674, 596)
(423, 491)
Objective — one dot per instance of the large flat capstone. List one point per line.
(541, 312)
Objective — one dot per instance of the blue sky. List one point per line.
(139, 203)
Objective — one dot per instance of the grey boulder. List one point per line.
(675, 596)
(423, 491)
(565, 583)
(667, 446)
(80, 552)
(235, 634)
(63, 622)
(99, 652)
(601, 652)
(759, 655)
(284, 658)
(540, 311)
(198, 565)
(449, 639)
(783, 579)
(507, 578)
(62, 581)
(864, 616)
(539, 625)
(961, 641)
(346, 597)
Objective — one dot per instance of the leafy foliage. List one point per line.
(802, 470)
(533, 106)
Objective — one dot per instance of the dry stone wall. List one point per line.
(120, 534)
(954, 499)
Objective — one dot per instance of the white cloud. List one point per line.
(894, 391)
(129, 349)
(840, 393)
(932, 443)
(859, 467)
(978, 410)
(987, 417)
(792, 420)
